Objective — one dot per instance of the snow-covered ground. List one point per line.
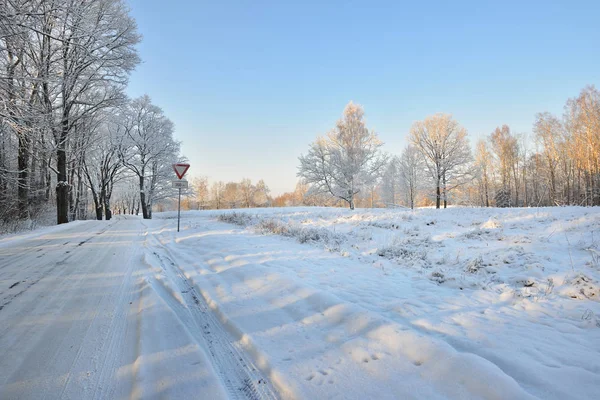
(306, 303)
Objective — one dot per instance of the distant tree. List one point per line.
(232, 194)
(483, 162)
(260, 195)
(346, 161)
(582, 115)
(548, 130)
(201, 191)
(390, 182)
(445, 149)
(506, 148)
(217, 192)
(247, 193)
(410, 168)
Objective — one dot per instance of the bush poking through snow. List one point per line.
(581, 287)
(236, 218)
(437, 276)
(302, 234)
(474, 265)
(491, 224)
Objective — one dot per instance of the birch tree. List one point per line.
(346, 161)
(483, 162)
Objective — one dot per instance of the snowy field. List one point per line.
(464, 302)
(307, 303)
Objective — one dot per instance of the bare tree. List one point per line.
(247, 192)
(201, 192)
(346, 161)
(94, 43)
(217, 192)
(483, 162)
(260, 196)
(548, 130)
(445, 149)
(148, 150)
(390, 182)
(410, 166)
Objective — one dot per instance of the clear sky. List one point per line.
(249, 84)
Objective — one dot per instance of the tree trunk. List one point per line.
(62, 186)
(445, 192)
(437, 193)
(22, 178)
(97, 205)
(107, 210)
(143, 199)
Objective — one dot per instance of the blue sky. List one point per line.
(249, 84)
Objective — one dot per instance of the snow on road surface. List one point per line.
(84, 316)
(305, 303)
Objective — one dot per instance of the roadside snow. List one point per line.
(457, 303)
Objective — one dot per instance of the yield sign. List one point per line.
(180, 169)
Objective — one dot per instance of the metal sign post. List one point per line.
(180, 170)
(179, 210)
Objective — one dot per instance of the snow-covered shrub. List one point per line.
(44, 215)
(581, 287)
(438, 276)
(331, 240)
(491, 224)
(384, 225)
(400, 252)
(474, 265)
(273, 226)
(404, 249)
(237, 218)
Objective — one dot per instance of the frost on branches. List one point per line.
(345, 161)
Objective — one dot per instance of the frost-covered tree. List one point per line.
(483, 164)
(443, 143)
(247, 189)
(201, 191)
(346, 161)
(102, 165)
(61, 63)
(217, 193)
(94, 46)
(260, 195)
(390, 183)
(232, 195)
(410, 169)
(148, 149)
(506, 149)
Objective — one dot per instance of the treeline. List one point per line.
(226, 195)
(69, 136)
(557, 165)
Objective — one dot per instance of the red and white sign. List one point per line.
(180, 169)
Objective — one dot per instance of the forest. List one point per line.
(70, 139)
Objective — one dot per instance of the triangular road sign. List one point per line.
(180, 169)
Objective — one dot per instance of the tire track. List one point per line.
(242, 379)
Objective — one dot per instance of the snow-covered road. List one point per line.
(370, 304)
(83, 317)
